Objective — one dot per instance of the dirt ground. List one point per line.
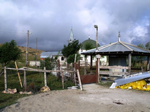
(94, 98)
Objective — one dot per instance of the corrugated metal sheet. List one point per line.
(132, 78)
(48, 54)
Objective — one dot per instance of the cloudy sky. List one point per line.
(51, 21)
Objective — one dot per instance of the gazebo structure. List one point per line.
(117, 53)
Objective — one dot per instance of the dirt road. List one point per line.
(94, 98)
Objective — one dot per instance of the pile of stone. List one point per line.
(10, 91)
(45, 89)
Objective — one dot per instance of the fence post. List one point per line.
(45, 78)
(79, 65)
(62, 79)
(25, 81)
(75, 73)
(79, 79)
(5, 78)
(18, 74)
(85, 65)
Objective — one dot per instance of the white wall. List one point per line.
(103, 59)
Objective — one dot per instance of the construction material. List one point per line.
(138, 85)
(135, 81)
(79, 80)
(132, 78)
(18, 74)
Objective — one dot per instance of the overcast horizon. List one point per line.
(51, 21)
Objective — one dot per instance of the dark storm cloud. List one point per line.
(51, 21)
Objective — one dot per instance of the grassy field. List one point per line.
(35, 79)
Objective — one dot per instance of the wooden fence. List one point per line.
(110, 71)
(25, 69)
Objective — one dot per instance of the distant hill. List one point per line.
(31, 53)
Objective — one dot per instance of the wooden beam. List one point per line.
(129, 63)
(85, 65)
(18, 74)
(113, 67)
(147, 63)
(113, 73)
(78, 74)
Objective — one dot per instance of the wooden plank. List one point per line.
(18, 74)
(78, 74)
(147, 63)
(113, 67)
(38, 70)
(112, 73)
(129, 63)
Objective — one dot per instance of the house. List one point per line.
(53, 55)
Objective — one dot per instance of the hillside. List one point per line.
(31, 53)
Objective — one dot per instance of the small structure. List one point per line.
(34, 63)
(53, 55)
(118, 53)
(103, 60)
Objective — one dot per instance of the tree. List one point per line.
(138, 59)
(147, 45)
(48, 63)
(70, 51)
(141, 45)
(9, 52)
(88, 46)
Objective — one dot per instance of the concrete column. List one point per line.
(97, 68)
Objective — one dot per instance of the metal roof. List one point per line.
(118, 47)
(49, 54)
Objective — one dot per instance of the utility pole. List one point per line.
(95, 26)
(36, 53)
(27, 47)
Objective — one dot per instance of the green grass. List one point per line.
(33, 78)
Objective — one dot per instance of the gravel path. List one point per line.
(94, 98)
